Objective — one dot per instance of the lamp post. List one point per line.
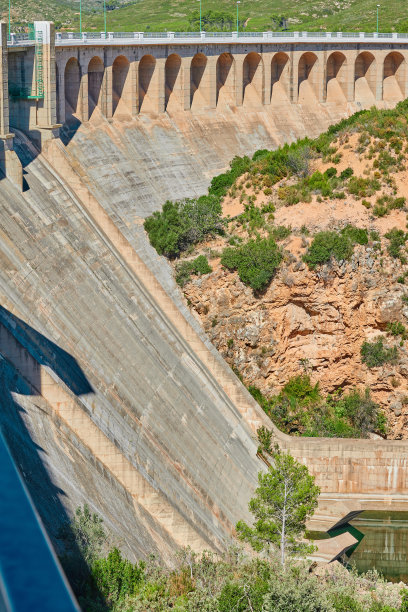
(238, 2)
(378, 6)
(200, 14)
(9, 29)
(80, 16)
(104, 14)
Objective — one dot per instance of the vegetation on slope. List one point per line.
(104, 581)
(301, 409)
(384, 140)
(338, 254)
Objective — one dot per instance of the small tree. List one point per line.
(285, 499)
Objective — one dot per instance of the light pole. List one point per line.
(9, 17)
(238, 2)
(200, 14)
(378, 6)
(80, 16)
(104, 14)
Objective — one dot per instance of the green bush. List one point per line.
(184, 270)
(301, 390)
(326, 245)
(375, 354)
(397, 329)
(181, 224)
(300, 409)
(363, 187)
(256, 261)
(221, 183)
(280, 232)
(346, 174)
(356, 234)
(293, 593)
(117, 578)
(397, 239)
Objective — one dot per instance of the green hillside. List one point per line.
(161, 15)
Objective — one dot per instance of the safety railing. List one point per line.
(67, 38)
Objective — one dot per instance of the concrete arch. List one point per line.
(253, 79)
(394, 75)
(280, 78)
(173, 83)
(96, 72)
(72, 86)
(148, 84)
(225, 71)
(121, 86)
(365, 78)
(308, 83)
(336, 78)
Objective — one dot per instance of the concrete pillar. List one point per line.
(134, 87)
(107, 85)
(161, 85)
(350, 79)
(239, 78)
(83, 92)
(295, 76)
(61, 95)
(379, 74)
(211, 81)
(10, 164)
(46, 116)
(186, 82)
(291, 77)
(267, 77)
(323, 72)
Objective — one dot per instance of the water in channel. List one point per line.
(382, 543)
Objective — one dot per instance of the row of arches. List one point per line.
(234, 84)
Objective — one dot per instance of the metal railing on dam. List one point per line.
(112, 38)
(30, 575)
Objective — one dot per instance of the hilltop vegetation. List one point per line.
(181, 15)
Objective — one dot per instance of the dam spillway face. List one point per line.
(111, 392)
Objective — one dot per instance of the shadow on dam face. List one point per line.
(22, 349)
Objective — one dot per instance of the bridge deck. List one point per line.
(182, 38)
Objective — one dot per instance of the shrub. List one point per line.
(346, 174)
(280, 232)
(330, 172)
(326, 245)
(221, 183)
(356, 235)
(298, 160)
(117, 578)
(301, 390)
(256, 261)
(199, 265)
(375, 354)
(363, 188)
(363, 413)
(397, 329)
(292, 592)
(181, 224)
(397, 239)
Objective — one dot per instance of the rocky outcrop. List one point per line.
(310, 321)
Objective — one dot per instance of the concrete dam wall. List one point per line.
(111, 392)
